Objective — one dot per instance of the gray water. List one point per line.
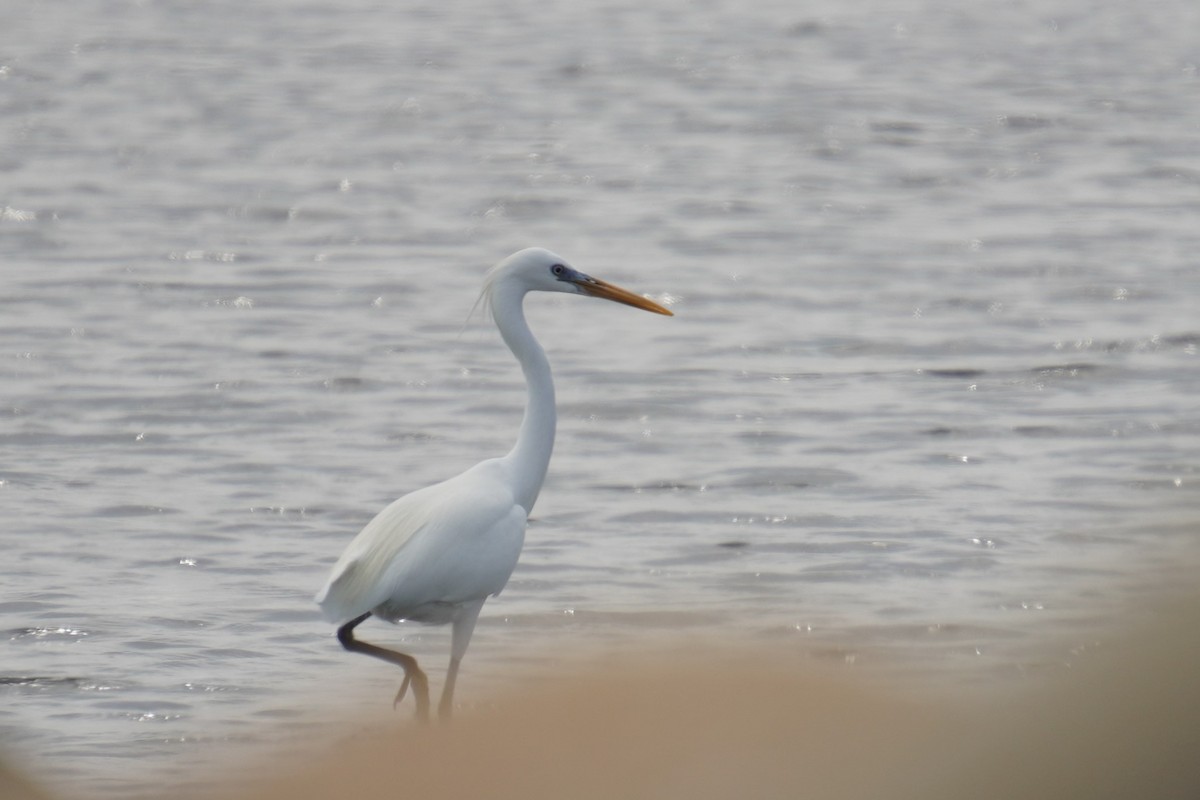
(929, 399)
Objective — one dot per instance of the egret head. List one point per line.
(537, 270)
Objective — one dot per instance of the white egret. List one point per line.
(435, 555)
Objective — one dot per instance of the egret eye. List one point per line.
(558, 270)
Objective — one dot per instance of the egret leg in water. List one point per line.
(412, 672)
(437, 554)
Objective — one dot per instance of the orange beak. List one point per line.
(607, 291)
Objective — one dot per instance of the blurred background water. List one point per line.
(929, 399)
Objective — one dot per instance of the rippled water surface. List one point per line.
(929, 398)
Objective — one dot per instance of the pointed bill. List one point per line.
(607, 291)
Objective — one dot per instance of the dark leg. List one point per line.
(412, 673)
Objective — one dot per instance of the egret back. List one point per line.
(431, 551)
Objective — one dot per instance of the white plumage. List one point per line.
(430, 551)
(437, 554)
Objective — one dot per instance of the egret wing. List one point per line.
(440, 546)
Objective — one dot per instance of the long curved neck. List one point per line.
(530, 456)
